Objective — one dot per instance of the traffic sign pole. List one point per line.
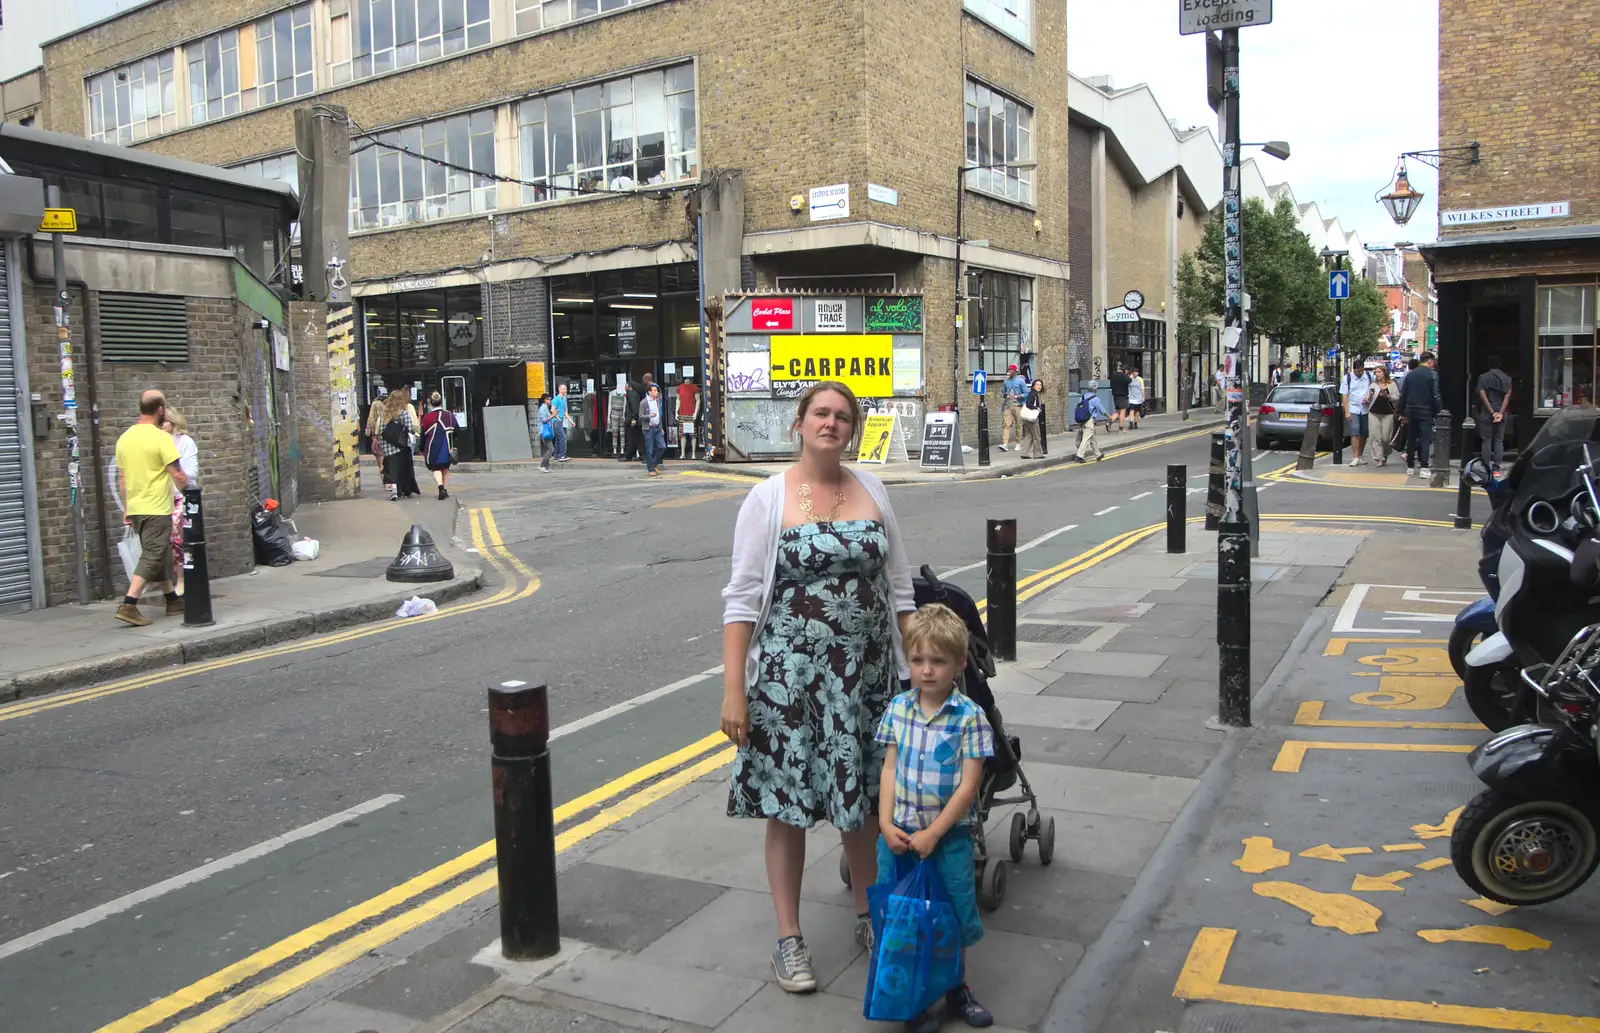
(980, 387)
(69, 394)
(1338, 290)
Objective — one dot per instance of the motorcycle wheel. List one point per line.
(1519, 851)
(1496, 695)
(1462, 639)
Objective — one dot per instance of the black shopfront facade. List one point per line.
(624, 323)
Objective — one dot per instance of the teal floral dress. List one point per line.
(827, 673)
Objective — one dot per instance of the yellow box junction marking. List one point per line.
(1309, 715)
(1201, 980)
(1386, 883)
(1411, 659)
(1433, 864)
(1260, 856)
(1494, 935)
(1421, 692)
(1441, 830)
(1340, 911)
(1326, 852)
(1293, 752)
(1337, 646)
(1489, 907)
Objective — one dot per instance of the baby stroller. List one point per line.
(1003, 771)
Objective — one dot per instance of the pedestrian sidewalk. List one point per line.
(1370, 475)
(666, 920)
(1061, 446)
(70, 646)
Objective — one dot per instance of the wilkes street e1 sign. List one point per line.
(1212, 15)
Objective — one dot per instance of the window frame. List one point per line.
(1575, 347)
(101, 98)
(414, 32)
(1011, 18)
(378, 171)
(1017, 132)
(1008, 307)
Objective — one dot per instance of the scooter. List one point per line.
(1476, 621)
(1534, 834)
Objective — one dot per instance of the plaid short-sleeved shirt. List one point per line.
(929, 753)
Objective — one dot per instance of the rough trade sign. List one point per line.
(863, 362)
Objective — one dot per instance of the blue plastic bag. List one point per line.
(916, 954)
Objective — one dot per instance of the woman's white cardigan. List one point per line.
(748, 596)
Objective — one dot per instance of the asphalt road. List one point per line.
(112, 796)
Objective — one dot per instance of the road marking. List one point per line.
(1328, 852)
(1260, 856)
(1201, 980)
(1194, 491)
(1350, 915)
(1441, 830)
(1293, 752)
(123, 903)
(1310, 716)
(1494, 935)
(1399, 848)
(1141, 495)
(1113, 455)
(1108, 509)
(1433, 864)
(952, 572)
(1337, 645)
(345, 951)
(1484, 904)
(1263, 486)
(1385, 883)
(741, 478)
(631, 704)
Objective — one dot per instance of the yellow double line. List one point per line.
(520, 583)
(701, 758)
(1033, 584)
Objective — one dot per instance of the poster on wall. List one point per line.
(907, 370)
(862, 362)
(895, 315)
(747, 373)
(280, 350)
(627, 336)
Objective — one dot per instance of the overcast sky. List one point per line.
(1349, 85)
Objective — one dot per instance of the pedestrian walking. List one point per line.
(1420, 402)
(652, 424)
(148, 474)
(633, 443)
(935, 740)
(1494, 391)
(1135, 396)
(1382, 413)
(1088, 414)
(1012, 392)
(811, 646)
(375, 437)
(1032, 416)
(397, 436)
(438, 447)
(1119, 396)
(189, 462)
(547, 432)
(1355, 388)
(563, 423)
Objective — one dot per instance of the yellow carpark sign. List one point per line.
(862, 362)
(59, 220)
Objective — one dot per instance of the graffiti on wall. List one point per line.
(345, 415)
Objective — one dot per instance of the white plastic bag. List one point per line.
(306, 549)
(416, 606)
(129, 549)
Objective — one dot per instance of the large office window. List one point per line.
(635, 131)
(134, 102)
(1012, 17)
(1567, 345)
(533, 15)
(999, 319)
(999, 130)
(625, 314)
(422, 329)
(390, 187)
(246, 67)
(383, 35)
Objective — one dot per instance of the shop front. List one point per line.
(1141, 345)
(411, 335)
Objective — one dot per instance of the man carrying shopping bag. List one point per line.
(147, 473)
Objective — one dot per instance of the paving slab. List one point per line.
(1022, 681)
(1160, 756)
(1126, 665)
(1136, 690)
(1189, 648)
(1056, 746)
(1058, 902)
(671, 991)
(432, 980)
(1166, 722)
(512, 1015)
(1099, 791)
(626, 910)
(735, 936)
(1063, 712)
(338, 1017)
(1037, 654)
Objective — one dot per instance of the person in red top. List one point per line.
(688, 413)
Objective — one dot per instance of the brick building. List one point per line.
(1517, 261)
(1402, 274)
(569, 182)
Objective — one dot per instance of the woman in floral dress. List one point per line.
(811, 658)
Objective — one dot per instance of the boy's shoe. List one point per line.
(791, 964)
(864, 932)
(927, 1022)
(128, 613)
(963, 1004)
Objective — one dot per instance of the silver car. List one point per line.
(1281, 418)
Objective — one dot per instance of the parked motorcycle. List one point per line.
(1534, 834)
(1476, 621)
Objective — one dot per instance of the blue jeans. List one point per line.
(561, 439)
(655, 446)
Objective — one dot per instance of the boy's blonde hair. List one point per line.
(937, 626)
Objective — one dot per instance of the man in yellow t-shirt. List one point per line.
(147, 470)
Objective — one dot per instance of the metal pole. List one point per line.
(983, 399)
(69, 403)
(1463, 513)
(1002, 578)
(1338, 365)
(955, 342)
(524, 820)
(196, 571)
(1177, 479)
(1233, 537)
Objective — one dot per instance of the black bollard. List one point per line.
(983, 430)
(1463, 514)
(196, 572)
(1338, 435)
(1044, 432)
(1214, 481)
(1002, 577)
(524, 820)
(1233, 624)
(1177, 524)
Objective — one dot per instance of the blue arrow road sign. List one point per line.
(980, 381)
(1339, 285)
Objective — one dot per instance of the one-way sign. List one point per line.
(1339, 285)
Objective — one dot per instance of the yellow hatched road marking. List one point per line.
(1310, 716)
(1293, 752)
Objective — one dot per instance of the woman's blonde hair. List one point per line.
(179, 424)
(938, 627)
(436, 399)
(820, 387)
(396, 403)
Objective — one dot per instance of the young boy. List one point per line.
(937, 739)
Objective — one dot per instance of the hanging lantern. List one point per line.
(1403, 199)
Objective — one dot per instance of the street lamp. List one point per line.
(1402, 200)
(955, 342)
(1276, 148)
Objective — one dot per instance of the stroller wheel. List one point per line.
(844, 870)
(1047, 841)
(992, 884)
(1019, 835)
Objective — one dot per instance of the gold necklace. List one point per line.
(804, 492)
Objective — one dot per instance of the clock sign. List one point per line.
(1133, 301)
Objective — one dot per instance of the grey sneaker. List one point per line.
(791, 963)
(864, 932)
